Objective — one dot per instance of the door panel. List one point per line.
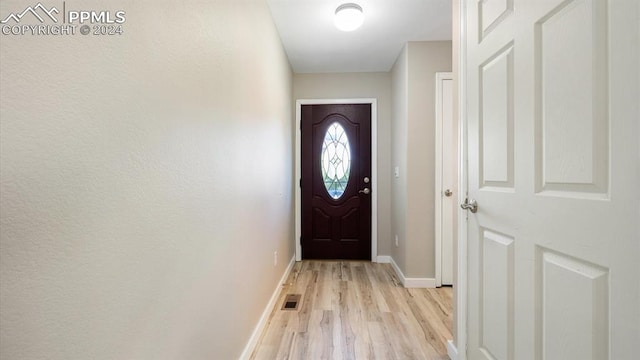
(496, 294)
(496, 120)
(491, 13)
(552, 90)
(449, 177)
(446, 176)
(336, 219)
(574, 298)
(572, 100)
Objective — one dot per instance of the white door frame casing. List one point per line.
(457, 349)
(439, 173)
(374, 169)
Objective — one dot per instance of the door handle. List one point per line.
(365, 191)
(448, 193)
(473, 205)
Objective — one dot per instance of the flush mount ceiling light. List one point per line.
(348, 17)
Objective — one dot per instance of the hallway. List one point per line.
(150, 180)
(356, 310)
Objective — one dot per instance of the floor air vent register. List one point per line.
(291, 302)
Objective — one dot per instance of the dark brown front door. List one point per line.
(336, 181)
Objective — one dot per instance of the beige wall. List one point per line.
(413, 151)
(130, 166)
(399, 120)
(361, 85)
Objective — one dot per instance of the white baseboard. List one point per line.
(383, 259)
(452, 351)
(262, 323)
(412, 282)
(419, 282)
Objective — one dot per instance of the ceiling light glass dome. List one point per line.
(349, 17)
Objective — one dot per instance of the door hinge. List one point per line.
(300, 240)
(300, 183)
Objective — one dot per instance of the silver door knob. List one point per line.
(365, 191)
(473, 205)
(448, 193)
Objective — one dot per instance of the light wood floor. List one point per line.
(356, 310)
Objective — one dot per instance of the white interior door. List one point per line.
(553, 250)
(446, 178)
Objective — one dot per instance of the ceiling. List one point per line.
(314, 45)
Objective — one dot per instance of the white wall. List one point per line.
(361, 85)
(146, 181)
(413, 151)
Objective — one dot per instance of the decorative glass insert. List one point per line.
(335, 160)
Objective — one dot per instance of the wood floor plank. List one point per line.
(345, 309)
(356, 310)
(326, 325)
(300, 346)
(382, 347)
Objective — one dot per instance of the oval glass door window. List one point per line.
(335, 160)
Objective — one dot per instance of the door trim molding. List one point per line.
(461, 276)
(438, 174)
(374, 169)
